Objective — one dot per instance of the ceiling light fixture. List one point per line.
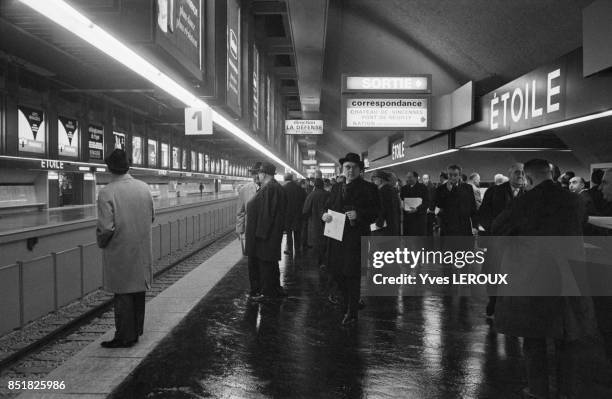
(413, 159)
(541, 128)
(69, 18)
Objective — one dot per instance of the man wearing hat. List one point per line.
(125, 214)
(389, 219)
(245, 194)
(264, 230)
(357, 199)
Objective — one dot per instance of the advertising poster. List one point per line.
(176, 162)
(206, 163)
(200, 162)
(31, 127)
(152, 151)
(165, 155)
(194, 165)
(68, 137)
(95, 142)
(137, 150)
(179, 23)
(119, 140)
(233, 56)
(184, 160)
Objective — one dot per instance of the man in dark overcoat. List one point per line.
(546, 209)
(293, 216)
(314, 208)
(497, 199)
(264, 230)
(457, 204)
(389, 219)
(415, 219)
(358, 199)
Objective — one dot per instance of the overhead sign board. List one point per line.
(178, 31)
(385, 113)
(198, 121)
(234, 47)
(303, 126)
(398, 150)
(309, 162)
(387, 84)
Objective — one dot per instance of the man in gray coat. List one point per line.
(125, 214)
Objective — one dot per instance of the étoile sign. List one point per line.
(534, 99)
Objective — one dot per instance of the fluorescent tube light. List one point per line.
(541, 128)
(413, 159)
(69, 18)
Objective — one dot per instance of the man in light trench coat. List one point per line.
(125, 215)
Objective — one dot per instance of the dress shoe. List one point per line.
(118, 344)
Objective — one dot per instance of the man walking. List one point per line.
(123, 231)
(245, 194)
(457, 205)
(264, 231)
(357, 199)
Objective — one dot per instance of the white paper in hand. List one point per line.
(412, 203)
(335, 228)
(601, 221)
(374, 227)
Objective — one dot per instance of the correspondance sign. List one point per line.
(385, 112)
(550, 94)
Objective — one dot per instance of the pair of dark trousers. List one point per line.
(351, 289)
(536, 364)
(254, 275)
(415, 225)
(294, 236)
(269, 277)
(129, 316)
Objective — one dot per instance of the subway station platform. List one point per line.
(204, 338)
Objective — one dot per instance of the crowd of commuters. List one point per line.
(534, 198)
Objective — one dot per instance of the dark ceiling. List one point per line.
(488, 41)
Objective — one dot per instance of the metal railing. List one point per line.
(33, 288)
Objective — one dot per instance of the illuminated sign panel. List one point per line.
(309, 162)
(397, 150)
(401, 84)
(385, 113)
(387, 84)
(234, 79)
(299, 126)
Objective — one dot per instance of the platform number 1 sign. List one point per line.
(198, 121)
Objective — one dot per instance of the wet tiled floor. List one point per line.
(404, 347)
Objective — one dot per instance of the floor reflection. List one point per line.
(402, 347)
